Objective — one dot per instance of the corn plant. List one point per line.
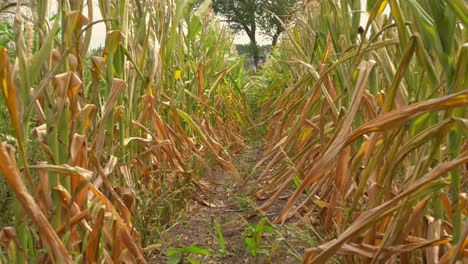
(144, 117)
(370, 123)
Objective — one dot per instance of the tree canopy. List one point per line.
(255, 16)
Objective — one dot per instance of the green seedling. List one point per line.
(254, 238)
(222, 243)
(186, 254)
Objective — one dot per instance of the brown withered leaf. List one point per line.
(390, 120)
(372, 215)
(68, 84)
(92, 250)
(65, 170)
(8, 235)
(11, 173)
(8, 88)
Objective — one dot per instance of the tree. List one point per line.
(278, 12)
(252, 16)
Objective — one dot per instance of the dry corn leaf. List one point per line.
(92, 249)
(11, 174)
(374, 214)
(8, 235)
(9, 91)
(386, 121)
(65, 170)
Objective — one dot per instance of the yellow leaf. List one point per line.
(321, 203)
(8, 88)
(4, 86)
(177, 74)
(327, 50)
(306, 134)
(382, 6)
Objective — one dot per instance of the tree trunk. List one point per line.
(255, 54)
(279, 29)
(254, 47)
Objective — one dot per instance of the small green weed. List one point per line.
(186, 254)
(222, 243)
(254, 237)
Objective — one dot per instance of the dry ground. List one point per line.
(234, 212)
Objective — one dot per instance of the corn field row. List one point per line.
(143, 118)
(364, 128)
(370, 128)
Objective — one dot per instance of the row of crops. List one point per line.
(101, 138)
(367, 130)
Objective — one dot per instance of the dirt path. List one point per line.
(233, 214)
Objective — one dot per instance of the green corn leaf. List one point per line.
(460, 8)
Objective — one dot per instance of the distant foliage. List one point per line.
(256, 16)
(246, 50)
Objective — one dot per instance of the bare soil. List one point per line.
(234, 212)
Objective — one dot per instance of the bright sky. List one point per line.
(99, 29)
